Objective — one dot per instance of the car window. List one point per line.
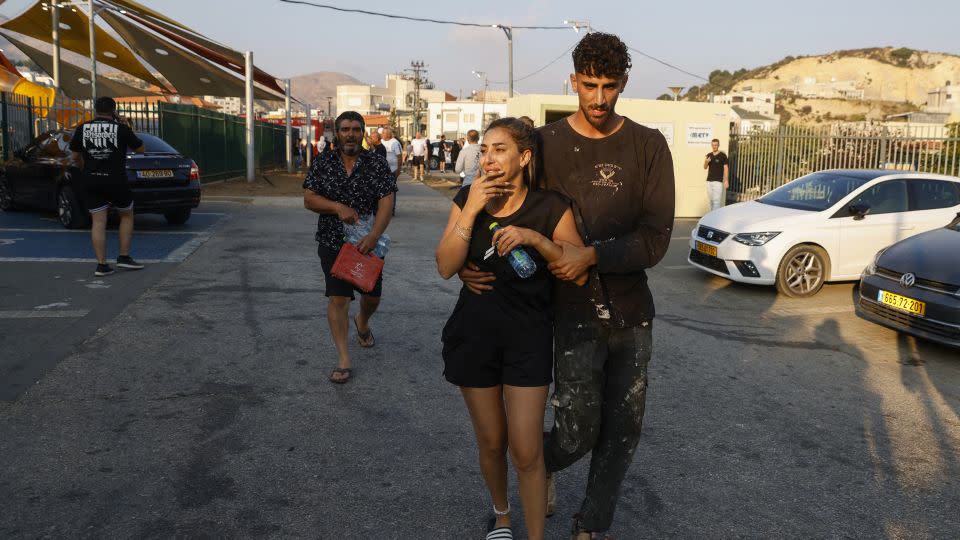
(816, 192)
(884, 198)
(155, 145)
(933, 194)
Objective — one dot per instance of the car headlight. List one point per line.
(871, 268)
(755, 238)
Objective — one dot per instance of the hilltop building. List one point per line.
(748, 100)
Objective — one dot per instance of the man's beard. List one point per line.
(351, 149)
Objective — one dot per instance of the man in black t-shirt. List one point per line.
(718, 174)
(101, 145)
(619, 177)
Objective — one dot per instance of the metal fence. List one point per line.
(763, 160)
(216, 141)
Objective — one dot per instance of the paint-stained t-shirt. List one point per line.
(623, 188)
(361, 189)
(104, 144)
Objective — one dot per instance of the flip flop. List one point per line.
(365, 339)
(346, 373)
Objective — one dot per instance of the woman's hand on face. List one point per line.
(485, 189)
(510, 237)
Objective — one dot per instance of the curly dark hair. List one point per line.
(601, 55)
(525, 137)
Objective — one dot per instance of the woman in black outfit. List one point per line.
(498, 346)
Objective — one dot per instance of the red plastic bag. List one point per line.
(357, 269)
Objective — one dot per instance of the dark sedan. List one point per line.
(163, 180)
(914, 286)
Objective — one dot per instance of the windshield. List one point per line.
(155, 145)
(815, 192)
(955, 225)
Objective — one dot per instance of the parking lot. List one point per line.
(51, 300)
(191, 400)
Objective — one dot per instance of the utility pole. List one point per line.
(251, 125)
(419, 71)
(289, 130)
(93, 54)
(483, 106)
(508, 30)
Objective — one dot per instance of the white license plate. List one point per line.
(155, 173)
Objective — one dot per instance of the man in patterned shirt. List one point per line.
(343, 186)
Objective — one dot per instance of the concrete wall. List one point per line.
(688, 128)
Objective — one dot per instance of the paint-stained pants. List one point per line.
(600, 377)
(715, 194)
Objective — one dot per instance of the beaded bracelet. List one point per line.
(463, 233)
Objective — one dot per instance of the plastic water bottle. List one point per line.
(520, 260)
(355, 232)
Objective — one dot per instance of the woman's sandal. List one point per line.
(500, 533)
(365, 339)
(345, 375)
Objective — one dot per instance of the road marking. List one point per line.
(62, 314)
(76, 260)
(823, 310)
(83, 231)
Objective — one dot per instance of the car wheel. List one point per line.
(803, 271)
(6, 195)
(434, 163)
(177, 217)
(71, 213)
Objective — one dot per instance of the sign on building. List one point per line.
(699, 134)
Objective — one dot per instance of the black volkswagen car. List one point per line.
(914, 286)
(163, 180)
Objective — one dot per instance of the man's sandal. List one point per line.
(345, 375)
(365, 339)
(500, 533)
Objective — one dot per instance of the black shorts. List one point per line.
(417, 161)
(101, 192)
(338, 287)
(481, 363)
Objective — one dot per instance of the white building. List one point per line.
(758, 102)
(810, 87)
(228, 105)
(944, 99)
(745, 121)
(398, 96)
(454, 119)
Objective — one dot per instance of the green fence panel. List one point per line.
(217, 141)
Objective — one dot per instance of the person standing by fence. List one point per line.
(718, 174)
(101, 145)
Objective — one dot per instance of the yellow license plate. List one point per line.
(156, 173)
(707, 248)
(902, 303)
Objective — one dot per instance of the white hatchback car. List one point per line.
(825, 226)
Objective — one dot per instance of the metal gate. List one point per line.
(763, 160)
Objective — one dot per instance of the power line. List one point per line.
(552, 62)
(669, 65)
(419, 19)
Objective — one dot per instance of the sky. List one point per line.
(696, 36)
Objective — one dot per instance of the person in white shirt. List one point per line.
(394, 151)
(419, 151)
(468, 161)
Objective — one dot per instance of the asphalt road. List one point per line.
(202, 409)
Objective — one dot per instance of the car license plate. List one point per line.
(707, 248)
(902, 303)
(155, 173)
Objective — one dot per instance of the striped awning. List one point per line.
(74, 80)
(37, 23)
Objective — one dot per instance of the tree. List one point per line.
(665, 97)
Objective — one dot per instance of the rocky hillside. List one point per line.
(313, 88)
(874, 82)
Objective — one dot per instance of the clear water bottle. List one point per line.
(520, 260)
(355, 232)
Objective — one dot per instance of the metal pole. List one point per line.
(309, 137)
(289, 128)
(55, 15)
(508, 30)
(93, 54)
(251, 163)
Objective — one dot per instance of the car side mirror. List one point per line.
(859, 211)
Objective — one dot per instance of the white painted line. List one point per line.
(64, 314)
(83, 231)
(823, 310)
(181, 253)
(74, 260)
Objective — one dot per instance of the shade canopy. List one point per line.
(74, 80)
(210, 50)
(37, 23)
(188, 73)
